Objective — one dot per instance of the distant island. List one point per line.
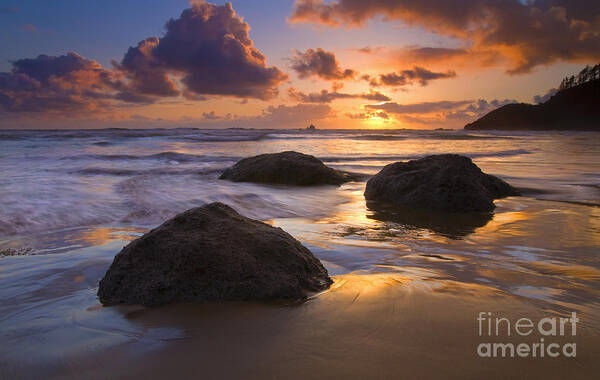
(576, 106)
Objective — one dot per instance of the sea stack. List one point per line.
(446, 182)
(212, 253)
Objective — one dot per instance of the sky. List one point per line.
(418, 64)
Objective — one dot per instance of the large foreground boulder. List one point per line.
(212, 253)
(446, 182)
(286, 168)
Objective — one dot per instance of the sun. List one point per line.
(375, 121)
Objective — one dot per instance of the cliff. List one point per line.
(575, 108)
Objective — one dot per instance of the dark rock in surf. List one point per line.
(285, 168)
(212, 253)
(446, 182)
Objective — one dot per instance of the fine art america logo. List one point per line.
(548, 329)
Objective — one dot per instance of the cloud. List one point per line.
(526, 33)
(368, 115)
(418, 74)
(194, 97)
(282, 116)
(66, 83)
(210, 48)
(206, 51)
(369, 49)
(426, 54)
(417, 54)
(8, 10)
(444, 112)
(538, 99)
(434, 57)
(212, 115)
(147, 75)
(29, 28)
(319, 63)
(325, 96)
(418, 108)
(477, 109)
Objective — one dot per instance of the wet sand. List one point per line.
(402, 324)
(404, 304)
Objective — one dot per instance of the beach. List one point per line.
(407, 289)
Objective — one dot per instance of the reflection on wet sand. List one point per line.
(452, 225)
(378, 325)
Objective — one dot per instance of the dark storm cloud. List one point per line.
(319, 63)
(146, 73)
(325, 96)
(210, 48)
(526, 33)
(417, 74)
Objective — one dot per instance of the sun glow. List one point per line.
(377, 122)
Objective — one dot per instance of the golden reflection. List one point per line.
(102, 235)
(406, 280)
(564, 225)
(367, 284)
(581, 272)
(507, 223)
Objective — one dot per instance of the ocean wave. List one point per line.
(155, 171)
(404, 135)
(502, 153)
(150, 199)
(379, 137)
(166, 156)
(221, 138)
(442, 136)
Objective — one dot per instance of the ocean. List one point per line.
(71, 199)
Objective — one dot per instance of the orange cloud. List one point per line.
(526, 34)
(437, 112)
(325, 96)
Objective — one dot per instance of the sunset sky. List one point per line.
(284, 64)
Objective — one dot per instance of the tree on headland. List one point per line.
(587, 74)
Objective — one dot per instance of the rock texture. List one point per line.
(446, 182)
(575, 108)
(286, 168)
(212, 253)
